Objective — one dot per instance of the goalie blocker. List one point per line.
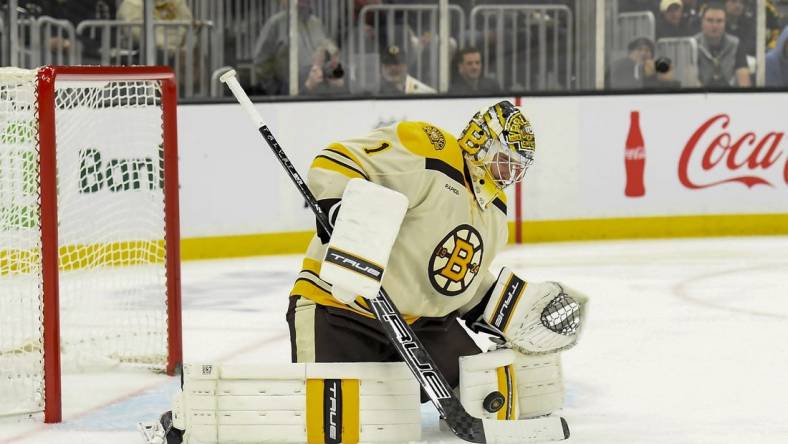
(364, 232)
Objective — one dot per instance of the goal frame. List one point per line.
(45, 85)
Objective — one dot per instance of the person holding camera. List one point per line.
(639, 69)
(326, 74)
(659, 74)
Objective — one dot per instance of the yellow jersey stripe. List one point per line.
(342, 150)
(309, 289)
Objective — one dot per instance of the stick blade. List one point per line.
(526, 430)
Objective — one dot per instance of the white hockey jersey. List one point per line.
(440, 260)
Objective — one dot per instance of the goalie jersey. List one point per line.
(439, 262)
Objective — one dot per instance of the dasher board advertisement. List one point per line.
(701, 155)
(682, 155)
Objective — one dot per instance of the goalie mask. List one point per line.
(499, 147)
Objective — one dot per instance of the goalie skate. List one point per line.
(161, 431)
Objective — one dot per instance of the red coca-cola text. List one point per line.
(725, 152)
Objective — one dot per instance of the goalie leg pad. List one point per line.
(364, 233)
(484, 374)
(540, 385)
(347, 402)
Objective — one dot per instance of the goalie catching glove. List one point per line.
(534, 317)
(364, 233)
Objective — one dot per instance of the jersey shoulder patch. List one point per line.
(431, 142)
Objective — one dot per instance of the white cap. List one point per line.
(665, 4)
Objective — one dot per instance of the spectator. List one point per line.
(469, 78)
(740, 24)
(74, 12)
(777, 62)
(394, 75)
(167, 39)
(326, 75)
(773, 24)
(271, 51)
(367, 29)
(410, 30)
(669, 22)
(691, 16)
(721, 59)
(630, 72)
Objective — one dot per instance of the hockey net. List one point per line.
(89, 273)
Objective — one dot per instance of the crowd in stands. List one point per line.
(320, 61)
(725, 34)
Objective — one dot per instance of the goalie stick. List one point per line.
(438, 390)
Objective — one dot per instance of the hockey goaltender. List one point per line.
(422, 214)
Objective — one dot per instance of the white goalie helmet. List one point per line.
(499, 146)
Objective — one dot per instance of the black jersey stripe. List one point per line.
(343, 155)
(499, 203)
(445, 168)
(344, 165)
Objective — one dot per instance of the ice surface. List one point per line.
(685, 343)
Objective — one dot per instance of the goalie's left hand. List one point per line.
(535, 317)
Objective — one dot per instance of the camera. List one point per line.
(662, 65)
(331, 71)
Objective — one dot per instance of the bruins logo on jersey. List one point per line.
(456, 261)
(436, 137)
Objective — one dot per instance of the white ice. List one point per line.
(685, 343)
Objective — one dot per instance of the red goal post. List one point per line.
(101, 279)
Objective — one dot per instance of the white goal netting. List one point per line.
(111, 231)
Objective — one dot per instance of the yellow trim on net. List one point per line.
(79, 257)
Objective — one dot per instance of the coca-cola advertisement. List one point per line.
(684, 155)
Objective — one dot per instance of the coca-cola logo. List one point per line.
(726, 158)
(635, 153)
